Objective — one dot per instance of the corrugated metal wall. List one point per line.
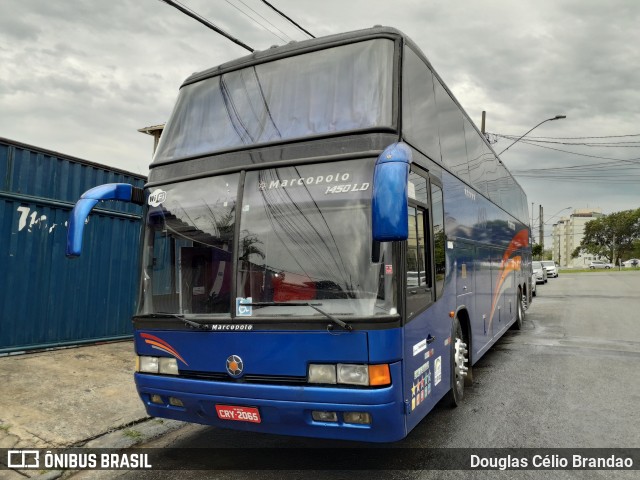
(47, 300)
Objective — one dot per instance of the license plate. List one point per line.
(238, 414)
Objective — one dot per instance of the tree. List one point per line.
(611, 236)
(536, 250)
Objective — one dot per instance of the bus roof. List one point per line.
(295, 48)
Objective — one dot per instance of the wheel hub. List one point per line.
(460, 361)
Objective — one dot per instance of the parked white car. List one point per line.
(539, 272)
(550, 267)
(599, 264)
(632, 262)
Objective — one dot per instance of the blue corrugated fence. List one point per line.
(47, 300)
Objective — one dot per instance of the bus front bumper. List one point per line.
(284, 410)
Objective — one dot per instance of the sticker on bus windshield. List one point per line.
(242, 309)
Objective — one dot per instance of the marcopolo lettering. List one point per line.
(226, 327)
(299, 182)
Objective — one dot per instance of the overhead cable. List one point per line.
(288, 18)
(630, 160)
(257, 22)
(634, 144)
(571, 138)
(205, 22)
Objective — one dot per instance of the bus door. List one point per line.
(427, 321)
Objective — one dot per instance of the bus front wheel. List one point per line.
(459, 364)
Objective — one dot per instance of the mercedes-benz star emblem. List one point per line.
(234, 366)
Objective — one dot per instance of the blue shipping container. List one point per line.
(47, 300)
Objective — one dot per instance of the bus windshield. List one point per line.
(304, 237)
(333, 90)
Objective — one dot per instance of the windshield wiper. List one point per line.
(179, 316)
(335, 320)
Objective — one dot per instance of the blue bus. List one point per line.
(329, 244)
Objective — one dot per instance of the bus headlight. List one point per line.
(168, 366)
(163, 365)
(353, 374)
(350, 374)
(322, 373)
(149, 364)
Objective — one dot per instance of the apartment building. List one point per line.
(567, 235)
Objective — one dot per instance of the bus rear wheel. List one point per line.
(459, 365)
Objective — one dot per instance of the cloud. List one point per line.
(81, 77)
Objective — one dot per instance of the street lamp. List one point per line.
(556, 214)
(557, 117)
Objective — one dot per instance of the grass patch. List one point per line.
(5, 427)
(133, 434)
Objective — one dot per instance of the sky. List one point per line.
(80, 77)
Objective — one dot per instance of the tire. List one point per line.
(459, 362)
(519, 313)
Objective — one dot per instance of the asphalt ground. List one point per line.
(569, 379)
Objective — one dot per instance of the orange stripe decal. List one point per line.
(162, 345)
(508, 265)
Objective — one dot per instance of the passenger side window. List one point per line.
(418, 260)
(439, 238)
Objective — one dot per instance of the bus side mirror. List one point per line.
(88, 200)
(389, 208)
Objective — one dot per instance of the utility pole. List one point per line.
(559, 247)
(484, 118)
(541, 233)
(532, 239)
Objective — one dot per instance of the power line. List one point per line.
(205, 22)
(572, 138)
(288, 18)
(589, 167)
(630, 160)
(256, 21)
(266, 20)
(634, 144)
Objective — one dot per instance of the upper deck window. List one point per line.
(338, 89)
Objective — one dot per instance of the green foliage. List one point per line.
(536, 250)
(133, 434)
(613, 236)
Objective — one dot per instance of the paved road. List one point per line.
(569, 379)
